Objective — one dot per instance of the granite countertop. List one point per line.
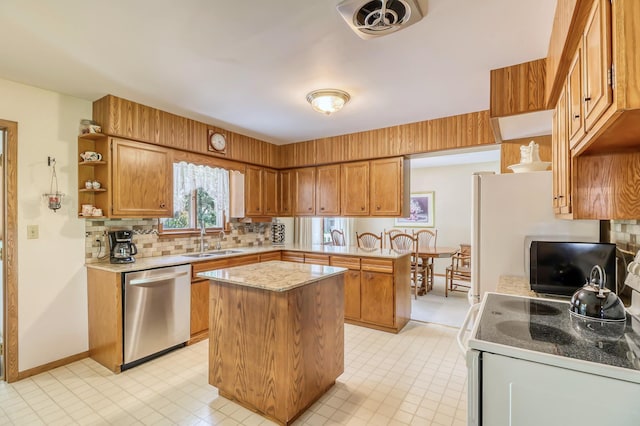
(273, 275)
(516, 285)
(143, 263)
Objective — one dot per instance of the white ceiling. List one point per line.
(247, 65)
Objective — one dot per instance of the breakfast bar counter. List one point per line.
(276, 335)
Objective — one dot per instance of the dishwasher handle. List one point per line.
(156, 278)
(463, 328)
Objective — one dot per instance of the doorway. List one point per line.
(9, 251)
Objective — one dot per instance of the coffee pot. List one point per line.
(122, 247)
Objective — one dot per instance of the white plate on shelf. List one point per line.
(537, 166)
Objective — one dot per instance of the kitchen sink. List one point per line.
(212, 253)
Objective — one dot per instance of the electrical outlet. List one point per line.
(32, 232)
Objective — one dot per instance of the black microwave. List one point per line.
(560, 268)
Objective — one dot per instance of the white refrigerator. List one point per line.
(509, 211)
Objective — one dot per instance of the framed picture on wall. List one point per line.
(421, 211)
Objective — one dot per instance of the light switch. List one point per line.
(32, 232)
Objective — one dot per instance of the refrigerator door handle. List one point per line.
(463, 328)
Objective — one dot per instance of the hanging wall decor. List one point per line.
(53, 197)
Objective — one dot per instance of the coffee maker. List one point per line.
(122, 249)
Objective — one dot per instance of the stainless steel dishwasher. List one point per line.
(157, 309)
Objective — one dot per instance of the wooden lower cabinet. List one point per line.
(376, 291)
(352, 295)
(199, 308)
(377, 297)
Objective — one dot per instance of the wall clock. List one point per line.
(217, 142)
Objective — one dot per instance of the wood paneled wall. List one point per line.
(457, 131)
(518, 89)
(130, 120)
(126, 119)
(510, 150)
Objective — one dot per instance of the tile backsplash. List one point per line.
(149, 243)
(626, 234)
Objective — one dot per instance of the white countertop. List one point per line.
(183, 259)
(273, 275)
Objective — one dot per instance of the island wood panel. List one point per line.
(518, 89)
(607, 186)
(264, 345)
(104, 302)
(566, 33)
(510, 151)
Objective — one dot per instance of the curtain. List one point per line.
(347, 224)
(215, 181)
(303, 231)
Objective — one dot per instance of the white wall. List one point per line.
(452, 199)
(52, 296)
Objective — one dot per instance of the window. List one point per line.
(200, 193)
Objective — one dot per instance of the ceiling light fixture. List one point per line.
(327, 101)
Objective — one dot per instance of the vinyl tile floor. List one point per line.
(416, 377)
(434, 307)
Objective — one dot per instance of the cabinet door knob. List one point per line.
(309, 209)
(322, 208)
(555, 198)
(162, 205)
(560, 196)
(377, 207)
(576, 116)
(587, 99)
(362, 208)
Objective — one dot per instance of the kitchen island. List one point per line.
(276, 335)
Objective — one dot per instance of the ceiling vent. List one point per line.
(375, 18)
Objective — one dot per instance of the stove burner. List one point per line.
(521, 330)
(531, 306)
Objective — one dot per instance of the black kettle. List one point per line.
(594, 301)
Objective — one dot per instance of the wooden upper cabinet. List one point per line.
(561, 157)
(284, 193)
(355, 189)
(597, 63)
(253, 191)
(328, 190)
(142, 180)
(261, 197)
(304, 190)
(389, 182)
(574, 102)
(270, 192)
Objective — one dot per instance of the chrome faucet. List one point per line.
(220, 237)
(203, 231)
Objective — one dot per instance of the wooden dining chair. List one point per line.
(407, 243)
(388, 234)
(458, 274)
(368, 240)
(337, 237)
(426, 240)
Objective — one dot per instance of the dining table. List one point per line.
(427, 255)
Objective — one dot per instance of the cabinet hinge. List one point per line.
(610, 76)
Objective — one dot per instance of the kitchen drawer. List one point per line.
(377, 265)
(345, 262)
(243, 260)
(208, 265)
(293, 256)
(317, 259)
(265, 257)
